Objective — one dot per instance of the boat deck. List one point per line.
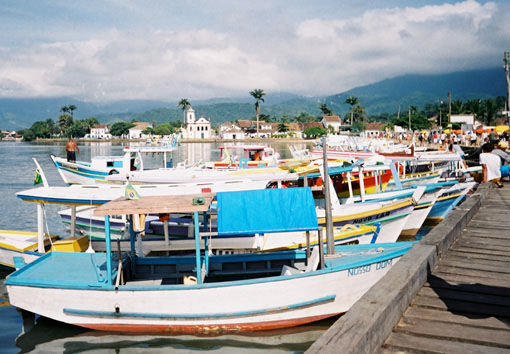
(451, 293)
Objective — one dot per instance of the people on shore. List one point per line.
(491, 165)
(71, 148)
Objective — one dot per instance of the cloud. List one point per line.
(314, 56)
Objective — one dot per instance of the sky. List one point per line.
(107, 50)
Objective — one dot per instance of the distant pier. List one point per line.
(450, 293)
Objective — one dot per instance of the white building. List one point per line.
(231, 131)
(136, 131)
(332, 121)
(100, 131)
(462, 118)
(196, 128)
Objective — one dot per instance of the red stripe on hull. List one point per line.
(205, 329)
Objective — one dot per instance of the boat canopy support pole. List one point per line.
(197, 248)
(396, 178)
(165, 230)
(320, 243)
(206, 242)
(361, 178)
(73, 220)
(307, 246)
(108, 250)
(132, 243)
(40, 228)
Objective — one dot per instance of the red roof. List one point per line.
(332, 119)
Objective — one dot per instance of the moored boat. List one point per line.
(205, 294)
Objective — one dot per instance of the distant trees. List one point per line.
(258, 94)
(40, 129)
(314, 132)
(165, 128)
(282, 128)
(304, 117)
(325, 109)
(120, 128)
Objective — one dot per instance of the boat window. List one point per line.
(109, 163)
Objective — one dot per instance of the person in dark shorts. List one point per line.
(71, 149)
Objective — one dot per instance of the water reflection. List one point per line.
(51, 336)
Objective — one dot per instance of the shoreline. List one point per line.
(182, 141)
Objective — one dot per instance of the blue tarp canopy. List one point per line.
(267, 210)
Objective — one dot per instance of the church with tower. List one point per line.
(196, 128)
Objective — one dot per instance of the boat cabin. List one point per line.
(243, 156)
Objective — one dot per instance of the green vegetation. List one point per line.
(165, 128)
(120, 128)
(325, 109)
(352, 101)
(184, 104)
(315, 132)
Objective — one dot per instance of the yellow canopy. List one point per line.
(447, 131)
(501, 128)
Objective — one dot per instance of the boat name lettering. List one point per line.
(359, 270)
(383, 264)
(368, 218)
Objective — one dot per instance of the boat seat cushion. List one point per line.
(288, 270)
(144, 282)
(314, 260)
(313, 263)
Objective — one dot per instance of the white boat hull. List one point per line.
(276, 302)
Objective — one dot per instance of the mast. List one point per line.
(507, 75)
(449, 107)
(327, 198)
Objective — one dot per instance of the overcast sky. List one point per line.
(103, 50)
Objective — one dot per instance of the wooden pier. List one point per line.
(449, 294)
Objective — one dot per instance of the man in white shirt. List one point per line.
(490, 165)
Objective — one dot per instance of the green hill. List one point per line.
(380, 97)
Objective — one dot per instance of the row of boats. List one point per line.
(261, 243)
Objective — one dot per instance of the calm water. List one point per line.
(18, 334)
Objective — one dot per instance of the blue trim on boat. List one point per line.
(62, 200)
(61, 271)
(203, 315)
(83, 171)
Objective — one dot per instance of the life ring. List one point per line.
(113, 172)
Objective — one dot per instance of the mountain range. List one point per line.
(377, 98)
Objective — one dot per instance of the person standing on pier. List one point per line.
(490, 165)
(71, 147)
(501, 151)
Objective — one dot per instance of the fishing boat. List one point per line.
(81, 172)
(449, 200)
(115, 291)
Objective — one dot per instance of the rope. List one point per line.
(46, 223)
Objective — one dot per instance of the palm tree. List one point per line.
(258, 94)
(351, 100)
(184, 104)
(325, 109)
(71, 108)
(65, 121)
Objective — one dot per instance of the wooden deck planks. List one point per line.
(464, 307)
(420, 344)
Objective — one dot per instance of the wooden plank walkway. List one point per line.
(464, 306)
